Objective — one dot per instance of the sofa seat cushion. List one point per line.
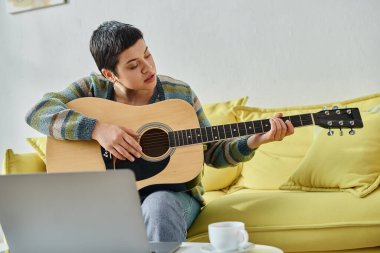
(213, 195)
(362, 250)
(297, 221)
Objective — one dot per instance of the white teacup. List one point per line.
(227, 236)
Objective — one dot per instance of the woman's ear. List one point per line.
(109, 75)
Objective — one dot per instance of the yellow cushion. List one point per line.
(275, 162)
(22, 163)
(297, 221)
(39, 145)
(217, 114)
(335, 163)
(222, 112)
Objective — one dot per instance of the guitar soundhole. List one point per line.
(154, 142)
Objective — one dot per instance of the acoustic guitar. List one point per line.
(171, 140)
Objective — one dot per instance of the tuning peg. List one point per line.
(335, 107)
(330, 132)
(340, 132)
(352, 132)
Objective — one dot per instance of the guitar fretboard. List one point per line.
(227, 131)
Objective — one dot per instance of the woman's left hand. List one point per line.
(279, 130)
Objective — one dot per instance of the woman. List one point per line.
(129, 76)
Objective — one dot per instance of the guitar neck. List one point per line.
(227, 131)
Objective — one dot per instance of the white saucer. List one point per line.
(210, 249)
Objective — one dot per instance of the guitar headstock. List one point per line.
(339, 118)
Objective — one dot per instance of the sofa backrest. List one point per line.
(275, 162)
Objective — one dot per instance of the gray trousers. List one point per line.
(168, 215)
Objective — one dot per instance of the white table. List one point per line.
(194, 247)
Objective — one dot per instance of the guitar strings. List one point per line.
(160, 139)
(303, 122)
(192, 132)
(180, 134)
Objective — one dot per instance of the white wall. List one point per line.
(280, 53)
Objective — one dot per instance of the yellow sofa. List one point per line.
(308, 193)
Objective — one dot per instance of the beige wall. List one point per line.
(279, 52)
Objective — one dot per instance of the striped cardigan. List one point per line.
(51, 117)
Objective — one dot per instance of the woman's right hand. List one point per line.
(118, 140)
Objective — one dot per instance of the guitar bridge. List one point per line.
(107, 158)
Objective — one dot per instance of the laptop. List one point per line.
(75, 212)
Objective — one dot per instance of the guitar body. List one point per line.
(170, 168)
